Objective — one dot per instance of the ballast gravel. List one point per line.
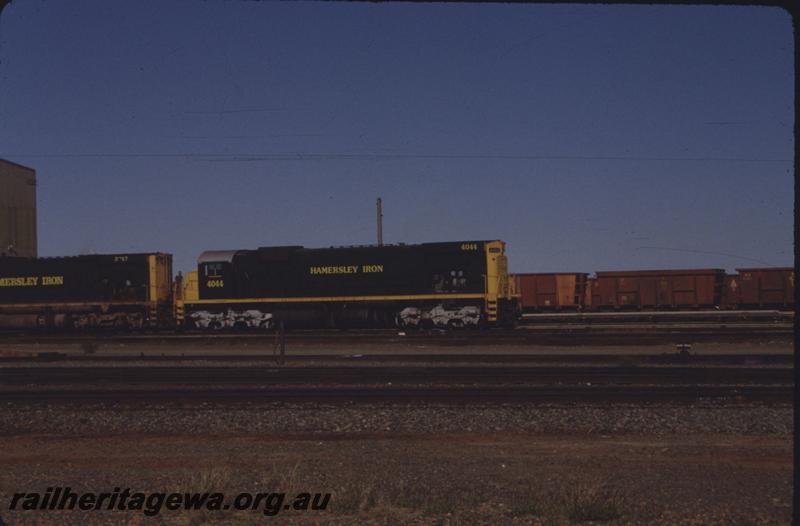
(286, 418)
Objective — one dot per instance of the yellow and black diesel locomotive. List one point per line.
(454, 284)
(123, 291)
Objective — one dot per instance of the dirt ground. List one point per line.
(706, 463)
(418, 478)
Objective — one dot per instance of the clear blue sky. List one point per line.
(583, 136)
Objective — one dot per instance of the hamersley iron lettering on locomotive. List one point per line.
(451, 284)
(345, 269)
(31, 281)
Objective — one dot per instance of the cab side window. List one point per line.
(213, 270)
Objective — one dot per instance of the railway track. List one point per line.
(47, 377)
(459, 395)
(398, 384)
(568, 334)
(482, 358)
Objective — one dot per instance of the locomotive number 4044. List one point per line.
(215, 284)
(469, 246)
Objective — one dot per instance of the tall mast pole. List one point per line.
(380, 223)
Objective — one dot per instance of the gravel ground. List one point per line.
(460, 479)
(104, 419)
(707, 463)
(522, 464)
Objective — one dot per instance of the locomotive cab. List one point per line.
(215, 274)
